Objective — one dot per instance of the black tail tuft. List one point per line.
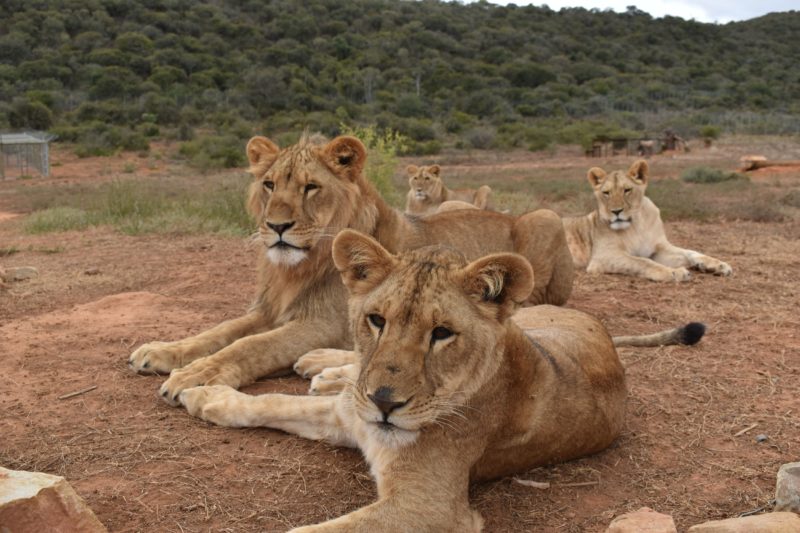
(692, 332)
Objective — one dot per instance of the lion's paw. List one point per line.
(315, 361)
(681, 274)
(156, 358)
(718, 268)
(332, 380)
(200, 372)
(218, 404)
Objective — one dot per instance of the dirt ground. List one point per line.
(689, 447)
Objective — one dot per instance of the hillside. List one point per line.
(111, 73)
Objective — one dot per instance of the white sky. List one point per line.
(720, 11)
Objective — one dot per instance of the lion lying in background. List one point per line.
(302, 196)
(449, 389)
(428, 193)
(625, 235)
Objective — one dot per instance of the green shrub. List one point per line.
(710, 175)
(57, 219)
(710, 132)
(215, 151)
(383, 148)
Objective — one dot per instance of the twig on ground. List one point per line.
(535, 484)
(745, 430)
(77, 393)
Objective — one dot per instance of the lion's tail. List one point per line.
(688, 334)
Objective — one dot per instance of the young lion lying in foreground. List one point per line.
(625, 235)
(450, 389)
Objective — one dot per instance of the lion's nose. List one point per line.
(382, 398)
(616, 211)
(280, 228)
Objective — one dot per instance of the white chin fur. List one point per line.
(620, 224)
(285, 256)
(393, 438)
(421, 195)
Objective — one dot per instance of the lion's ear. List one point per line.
(501, 280)
(412, 169)
(261, 150)
(639, 171)
(596, 176)
(434, 169)
(361, 260)
(345, 155)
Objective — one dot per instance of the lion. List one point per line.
(302, 196)
(447, 389)
(625, 234)
(428, 193)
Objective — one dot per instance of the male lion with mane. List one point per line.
(428, 193)
(302, 196)
(450, 390)
(625, 234)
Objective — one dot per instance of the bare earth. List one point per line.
(144, 466)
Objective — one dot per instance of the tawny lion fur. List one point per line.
(302, 196)
(450, 390)
(625, 234)
(428, 194)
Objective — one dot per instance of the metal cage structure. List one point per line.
(24, 152)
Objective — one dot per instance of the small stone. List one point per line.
(93, 271)
(787, 490)
(762, 523)
(21, 273)
(645, 520)
(761, 438)
(32, 502)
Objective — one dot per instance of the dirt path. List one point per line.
(144, 466)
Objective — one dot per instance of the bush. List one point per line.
(215, 151)
(383, 148)
(710, 175)
(481, 137)
(710, 132)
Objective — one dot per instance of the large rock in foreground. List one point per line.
(787, 491)
(762, 523)
(32, 502)
(645, 520)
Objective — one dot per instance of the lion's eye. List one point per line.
(376, 320)
(628, 190)
(427, 178)
(269, 185)
(440, 333)
(606, 193)
(311, 187)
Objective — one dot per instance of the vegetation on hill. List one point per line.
(111, 74)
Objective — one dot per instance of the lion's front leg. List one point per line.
(315, 361)
(411, 516)
(162, 357)
(255, 356)
(316, 418)
(624, 263)
(673, 256)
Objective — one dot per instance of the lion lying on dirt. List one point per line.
(450, 390)
(625, 235)
(302, 196)
(428, 193)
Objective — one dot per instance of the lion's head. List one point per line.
(303, 195)
(428, 327)
(619, 194)
(425, 183)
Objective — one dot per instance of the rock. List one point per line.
(33, 502)
(93, 271)
(645, 520)
(761, 438)
(762, 523)
(21, 273)
(787, 490)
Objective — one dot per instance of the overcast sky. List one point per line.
(701, 10)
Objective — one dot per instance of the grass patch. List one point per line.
(710, 175)
(138, 207)
(792, 198)
(7, 251)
